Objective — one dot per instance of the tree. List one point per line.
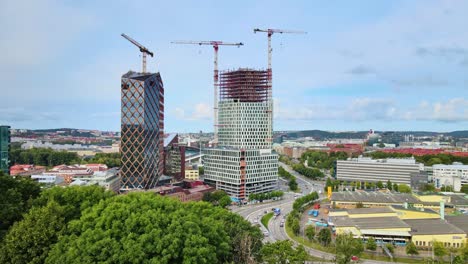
(411, 249)
(395, 187)
(439, 249)
(310, 232)
(428, 187)
(131, 228)
(390, 247)
(359, 205)
(346, 247)
(75, 199)
(371, 245)
(446, 188)
(324, 236)
(464, 189)
(16, 196)
(389, 185)
(293, 184)
(201, 170)
(295, 226)
(29, 240)
(225, 201)
(283, 252)
(403, 188)
(33, 236)
(380, 185)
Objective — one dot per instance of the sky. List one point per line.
(382, 65)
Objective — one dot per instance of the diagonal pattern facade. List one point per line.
(142, 126)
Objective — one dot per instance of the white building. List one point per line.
(454, 175)
(47, 179)
(370, 170)
(243, 162)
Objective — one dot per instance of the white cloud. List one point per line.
(371, 109)
(200, 111)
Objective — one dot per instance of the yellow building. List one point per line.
(192, 174)
(425, 231)
(414, 213)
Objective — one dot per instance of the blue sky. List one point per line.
(386, 65)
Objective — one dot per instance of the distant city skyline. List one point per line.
(393, 65)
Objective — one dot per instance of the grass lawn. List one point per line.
(266, 218)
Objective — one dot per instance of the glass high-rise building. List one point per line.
(142, 126)
(5, 139)
(243, 162)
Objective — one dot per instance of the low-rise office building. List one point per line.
(369, 170)
(425, 231)
(192, 174)
(454, 175)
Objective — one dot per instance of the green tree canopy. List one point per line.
(439, 249)
(389, 185)
(30, 239)
(145, 228)
(346, 247)
(371, 245)
(310, 232)
(380, 185)
(324, 236)
(75, 199)
(283, 252)
(464, 189)
(33, 236)
(411, 249)
(403, 188)
(16, 195)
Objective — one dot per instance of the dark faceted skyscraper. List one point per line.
(142, 126)
(5, 149)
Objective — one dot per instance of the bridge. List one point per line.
(194, 158)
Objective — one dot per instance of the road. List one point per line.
(275, 231)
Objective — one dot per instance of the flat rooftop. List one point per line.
(432, 227)
(380, 210)
(369, 222)
(375, 197)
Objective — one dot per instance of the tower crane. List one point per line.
(270, 33)
(142, 48)
(215, 45)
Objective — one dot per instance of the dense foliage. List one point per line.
(266, 196)
(16, 196)
(312, 173)
(293, 186)
(49, 157)
(324, 236)
(30, 239)
(323, 160)
(110, 159)
(43, 157)
(428, 160)
(371, 244)
(283, 252)
(218, 198)
(144, 228)
(300, 202)
(347, 246)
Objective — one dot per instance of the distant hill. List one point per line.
(394, 135)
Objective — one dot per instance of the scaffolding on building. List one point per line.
(244, 85)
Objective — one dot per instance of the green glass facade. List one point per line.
(5, 149)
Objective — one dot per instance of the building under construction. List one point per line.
(243, 162)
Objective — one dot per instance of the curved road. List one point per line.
(275, 231)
